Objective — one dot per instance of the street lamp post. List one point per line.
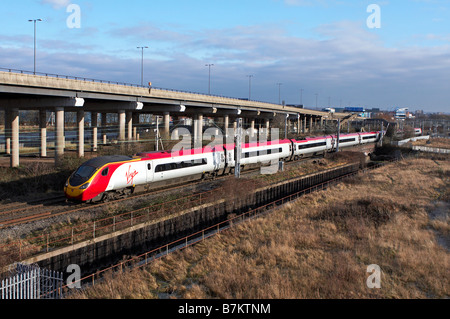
(250, 87)
(209, 81)
(279, 92)
(35, 20)
(142, 65)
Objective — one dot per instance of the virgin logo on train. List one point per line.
(130, 176)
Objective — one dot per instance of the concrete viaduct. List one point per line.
(59, 94)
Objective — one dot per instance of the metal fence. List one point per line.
(199, 236)
(31, 282)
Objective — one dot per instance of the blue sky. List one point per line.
(321, 46)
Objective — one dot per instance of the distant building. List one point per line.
(354, 110)
(400, 113)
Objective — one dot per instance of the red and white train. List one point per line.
(111, 176)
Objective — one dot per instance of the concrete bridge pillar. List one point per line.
(195, 130)
(59, 140)
(267, 129)
(80, 121)
(129, 119)
(122, 119)
(8, 132)
(136, 122)
(43, 131)
(94, 125)
(304, 124)
(104, 124)
(14, 122)
(200, 130)
(310, 123)
(167, 124)
(252, 128)
(226, 124)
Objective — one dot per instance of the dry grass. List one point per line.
(318, 246)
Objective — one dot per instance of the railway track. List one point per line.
(16, 214)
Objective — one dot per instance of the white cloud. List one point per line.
(57, 4)
(345, 61)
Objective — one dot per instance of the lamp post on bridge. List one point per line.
(250, 87)
(209, 81)
(279, 92)
(35, 21)
(142, 65)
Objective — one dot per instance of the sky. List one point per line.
(324, 52)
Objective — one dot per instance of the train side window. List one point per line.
(105, 172)
(149, 166)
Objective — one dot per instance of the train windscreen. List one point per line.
(82, 175)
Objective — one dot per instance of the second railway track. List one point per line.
(17, 214)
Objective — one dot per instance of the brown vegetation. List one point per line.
(318, 246)
(434, 142)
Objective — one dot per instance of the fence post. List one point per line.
(94, 230)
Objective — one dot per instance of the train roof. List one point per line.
(203, 150)
(102, 161)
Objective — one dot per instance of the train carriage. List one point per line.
(257, 153)
(310, 147)
(111, 176)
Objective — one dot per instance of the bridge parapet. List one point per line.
(96, 86)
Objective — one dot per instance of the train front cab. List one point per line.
(91, 179)
(79, 182)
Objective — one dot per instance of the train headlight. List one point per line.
(85, 186)
(67, 184)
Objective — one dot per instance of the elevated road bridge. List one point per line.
(20, 90)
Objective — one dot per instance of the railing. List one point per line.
(86, 79)
(68, 236)
(190, 240)
(31, 282)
